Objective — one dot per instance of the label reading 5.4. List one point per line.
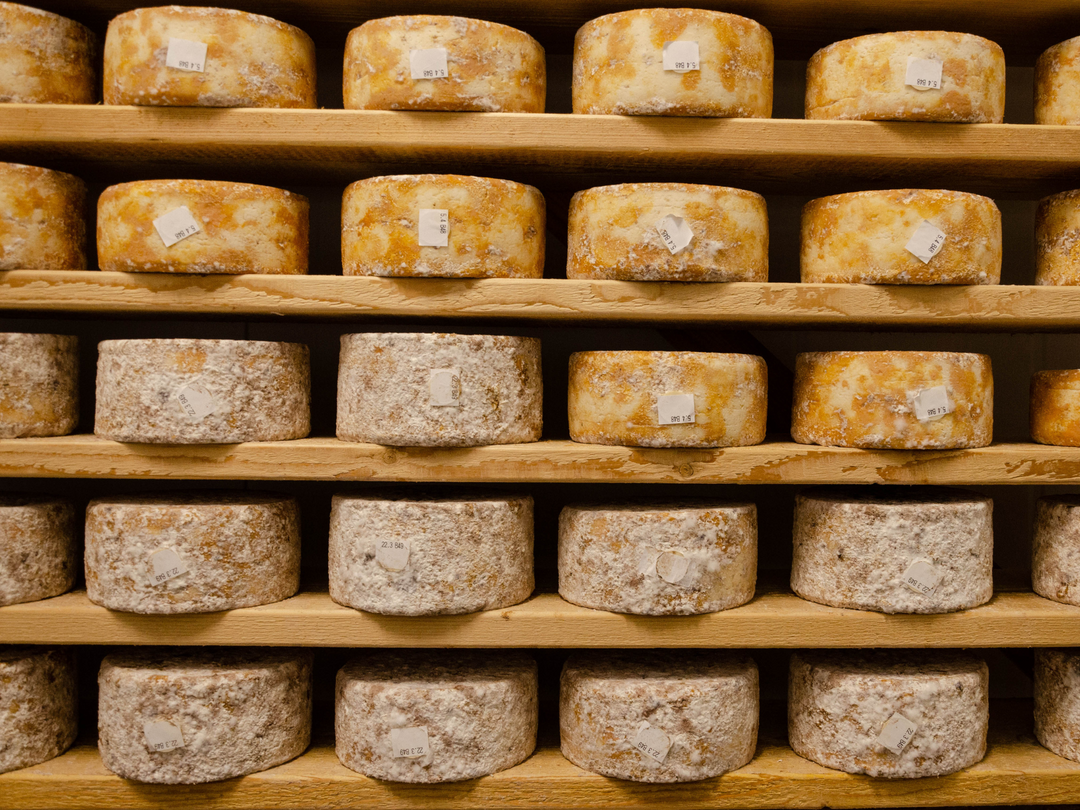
(428, 63)
(675, 409)
(681, 56)
(184, 54)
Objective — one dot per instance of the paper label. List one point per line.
(897, 733)
(675, 409)
(176, 225)
(196, 401)
(675, 233)
(428, 63)
(932, 403)
(184, 54)
(434, 227)
(409, 743)
(393, 555)
(922, 577)
(923, 74)
(681, 56)
(167, 564)
(162, 736)
(652, 742)
(445, 387)
(926, 242)
(671, 567)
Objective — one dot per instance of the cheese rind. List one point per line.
(1057, 232)
(38, 551)
(1055, 549)
(42, 219)
(40, 711)
(45, 58)
(1054, 416)
(1057, 84)
(1057, 701)
(39, 384)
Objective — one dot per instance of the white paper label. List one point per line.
(409, 743)
(926, 242)
(675, 409)
(923, 74)
(671, 567)
(162, 736)
(922, 577)
(196, 401)
(445, 387)
(652, 742)
(675, 233)
(184, 54)
(176, 225)
(428, 63)
(681, 56)
(393, 555)
(931, 404)
(897, 733)
(434, 227)
(167, 564)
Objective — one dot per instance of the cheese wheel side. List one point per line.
(1055, 549)
(1057, 76)
(45, 58)
(1057, 702)
(1057, 232)
(1055, 407)
(43, 226)
(37, 548)
(39, 385)
(40, 716)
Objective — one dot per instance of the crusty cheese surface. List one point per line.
(658, 559)
(619, 65)
(38, 548)
(39, 384)
(251, 60)
(871, 400)
(863, 238)
(243, 228)
(1057, 236)
(45, 58)
(1057, 84)
(490, 67)
(615, 398)
(191, 391)
(1057, 701)
(840, 702)
(615, 232)
(1054, 416)
(42, 219)
(1055, 549)
(40, 711)
(496, 227)
(865, 79)
(701, 707)
(438, 716)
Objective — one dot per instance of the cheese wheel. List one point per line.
(390, 227)
(192, 552)
(37, 548)
(1057, 84)
(40, 711)
(241, 228)
(1055, 407)
(1057, 230)
(39, 384)
(187, 391)
(488, 67)
(616, 232)
(668, 559)
(1055, 549)
(247, 60)
(668, 716)
(667, 399)
(619, 65)
(439, 390)
(877, 78)
(42, 219)
(920, 551)
(893, 400)
(891, 237)
(45, 58)
(183, 717)
(441, 716)
(1057, 701)
(902, 714)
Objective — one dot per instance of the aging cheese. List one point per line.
(439, 390)
(37, 548)
(902, 236)
(440, 716)
(444, 225)
(1057, 84)
(897, 714)
(1055, 549)
(45, 58)
(673, 61)
(908, 76)
(667, 399)
(189, 391)
(39, 390)
(42, 219)
(1057, 701)
(668, 559)
(428, 62)
(222, 228)
(658, 716)
(40, 711)
(893, 400)
(668, 232)
(921, 551)
(1057, 232)
(1055, 407)
(183, 717)
(184, 56)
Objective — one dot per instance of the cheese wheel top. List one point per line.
(45, 58)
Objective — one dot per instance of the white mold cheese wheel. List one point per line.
(619, 65)
(627, 232)
(1054, 415)
(190, 391)
(1055, 549)
(667, 399)
(670, 559)
(893, 400)
(877, 78)
(1057, 701)
(42, 219)
(439, 716)
(45, 58)
(901, 236)
(1057, 236)
(901, 715)
(37, 548)
(183, 717)
(488, 67)
(246, 60)
(242, 228)
(921, 551)
(390, 226)
(439, 390)
(40, 712)
(39, 390)
(1057, 84)
(658, 717)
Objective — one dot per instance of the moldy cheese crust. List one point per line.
(1057, 701)
(1055, 407)
(1057, 235)
(39, 384)
(43, 222)
(38, 547)
(45, 58)
(1055, 549)
(40, 710)
(1057, 84)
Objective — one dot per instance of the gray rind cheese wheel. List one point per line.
(1057, 701)
(39, 391)
(1057, 236)
(39, 719)
(1057, 84)
(42, 219)
(1054, 415)
(659, 716)
(45, 58)
(442, 716)
(1055, 549)
(38, 547)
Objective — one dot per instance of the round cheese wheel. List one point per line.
(428, 62)
(668, 232)
(45, 58)
(668, 716)
(42, 219)
(393, 226)
(899, 714)
(1057, 230)
(921, 551)
(39, 384)
(1057, 84)
(1055, 549)
(40, 711)
(439, 390)
(441, 716)
(669, 559)
(620, 66)
(667, 399)
(1057, 701)
(893, 400)
(185, 56)
(1055, 407)
(901, 236)
(241, 228)
(189, 391)
(37, 548)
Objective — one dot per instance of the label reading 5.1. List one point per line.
(409, 743)
(434, 227)
(166, 564)
(162, 736)
(393, 555)
(897, 733)
(675, 233)
(675, 409)
(931, 404)
(176, 225)
(681, 56)
(923, 74)
(428, 63)
(184, 54)
(652, 742)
